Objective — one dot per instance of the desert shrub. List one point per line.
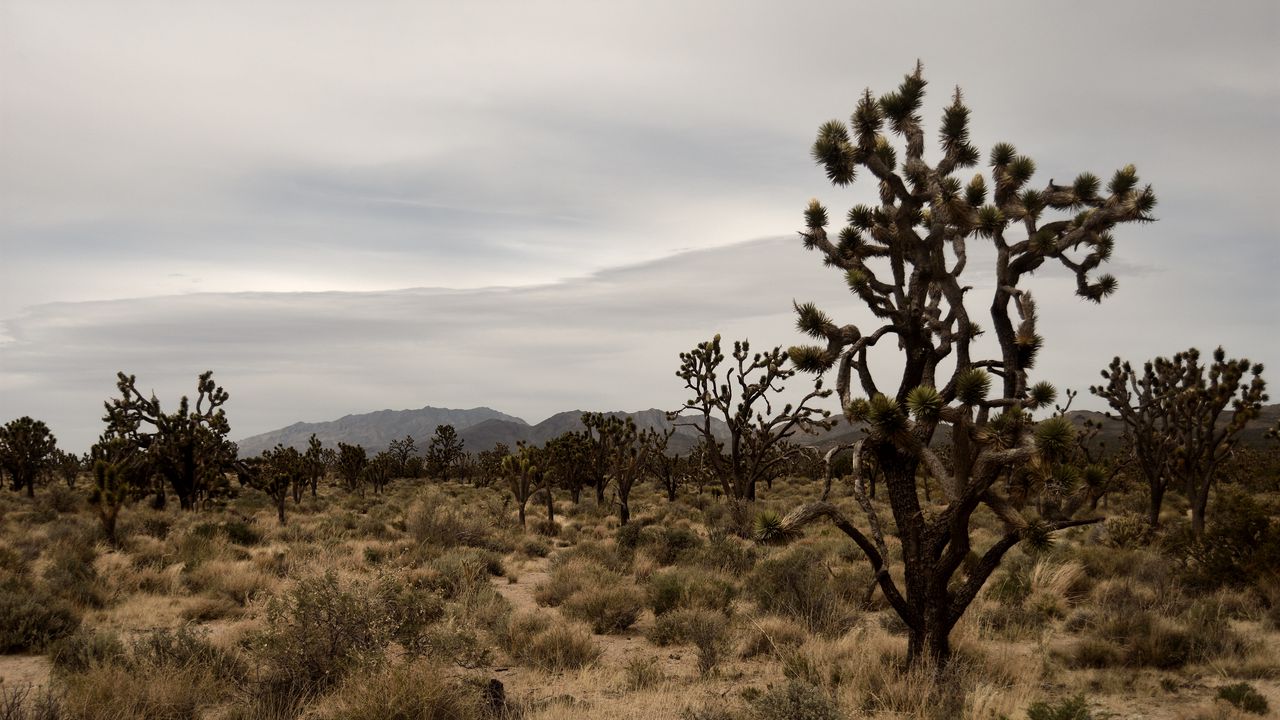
(574, 576)
(795, 701)
(643, 672)
(795, 584)
(689, 587)
(182, 648)
(667, 544)
(156, 526)
(727, 552)
(416, 690)
(1246, 697)
(1127, 630)
(1072, 708)
(706, 629)
(1011, 584)
(116, 691)
(1127, 530)
(241, 533)
(1240, 546)
(27, 703)
(534, 547)
(448, 527)
(609, 609)
(771, 636)
(540, 641)
(30, 619)
(232, 581)
(459, 571)
(409, 607)
(62, 499)
(606, 555)
(202, 609)
(317, 633)
(83, 649)
(454, 642)
(71, 574)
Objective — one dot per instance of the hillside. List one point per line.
(482, 428)
(374, 430)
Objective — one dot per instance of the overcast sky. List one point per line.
(343, 207)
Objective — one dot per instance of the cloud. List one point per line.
(608, 340)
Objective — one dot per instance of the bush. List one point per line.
(794, 701)
(71, 573)
(772, 636)
(315, 635)
(705, 629)
(606, 609)
(83, 649)
(31, 619)
(574, 576)
(643, 672)
(25, 703)
(435, 524)
(1246, 697)
(538, 640)
(1072, 708)
(795, 584)
(417, 690)
(687, 587)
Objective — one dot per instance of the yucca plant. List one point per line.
(904, 259)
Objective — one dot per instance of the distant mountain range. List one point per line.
(482, 428)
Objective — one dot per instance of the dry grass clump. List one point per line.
(573, 575)
(540, 640)
(238, 582)
(420, 690)
(690, 587)
(707, 630)
(771, 636)
(610, 609)
(796, 583)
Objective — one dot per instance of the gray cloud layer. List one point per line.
(320, 155)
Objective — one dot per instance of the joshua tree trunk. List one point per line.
(1154, 502)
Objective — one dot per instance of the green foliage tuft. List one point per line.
(972, 385)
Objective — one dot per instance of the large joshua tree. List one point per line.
(904, 258)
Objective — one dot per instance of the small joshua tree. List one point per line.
(189, 448)
(598, 433)
(27, 449)
(524, 477)
(111, 490)
(903, 259)
(568, 459)
(742, 396)
(627, 459)
(349, 466)
(400, 452)
(444, 451)
(1173, 413)
(316, 461)
(668, 468)
(277, 472)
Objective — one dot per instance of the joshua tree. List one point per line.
(1172, 415)
(316, 461)
(568, 459)
(276, 472)
(189, 448)
(669, 469)
(378, 472)
(444, 451)
(400, 451)
(627, 460)
(27, 449)
(111, 490)
(524, 477)
(68, 466)
(598, 433)
(904, 258)
(740, 395)
(349, 466)
(489, 464)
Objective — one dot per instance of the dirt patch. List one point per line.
(24, 670)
